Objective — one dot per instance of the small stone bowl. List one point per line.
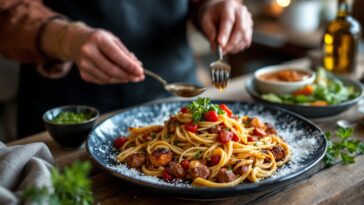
(70, 135)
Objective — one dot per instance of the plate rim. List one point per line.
(199, 190)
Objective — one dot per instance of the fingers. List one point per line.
(103, 59)
(225, 27)
(230, 24)
(209, 29)
(119, 57)
(122, 47)
(241, 36)
(88, 67)
(237, 36)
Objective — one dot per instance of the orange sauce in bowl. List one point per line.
(287, 75)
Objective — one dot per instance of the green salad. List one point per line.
(71, 117)
(326, 90)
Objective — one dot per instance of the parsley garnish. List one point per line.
(344, 147)
(201, 106)
(71, 187)
(198, 155)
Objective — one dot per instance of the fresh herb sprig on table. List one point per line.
(344, 147)
(70, 187)
(201, 106)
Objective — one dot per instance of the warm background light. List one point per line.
(283, 3)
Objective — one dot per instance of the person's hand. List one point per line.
(228, 23)
(101, 57)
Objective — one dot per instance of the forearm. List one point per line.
(21, 20)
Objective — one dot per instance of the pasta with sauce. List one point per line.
(218, 150)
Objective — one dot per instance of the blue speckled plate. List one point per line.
(307, 142)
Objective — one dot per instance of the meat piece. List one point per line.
(224, 175)
(278, 153)
(160, 157)
(216, 129)
(270, 129)
(135, 160)
(197, 169)
(176, 170)
(255, 122)
(213, 130)
(241, 170)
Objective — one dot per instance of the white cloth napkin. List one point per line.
(23, 166)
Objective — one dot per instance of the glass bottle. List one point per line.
(341, 40)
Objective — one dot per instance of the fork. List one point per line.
(220, 71)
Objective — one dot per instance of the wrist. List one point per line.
(61, 37)
(75, 34)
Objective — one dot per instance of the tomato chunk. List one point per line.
(226, 109)
(235, 138)
(190, 126)
(319, 103)
(185, 164)
(250, 139)
(119, 142)
(306, 90)
(225, 136)
(184, 110)
(167, 176)
(214, 160)
(211, 116)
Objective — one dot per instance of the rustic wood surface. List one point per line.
(335, 185)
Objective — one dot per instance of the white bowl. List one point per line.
(280, 87)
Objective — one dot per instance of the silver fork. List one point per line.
(220, 71)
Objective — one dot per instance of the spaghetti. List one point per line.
(206, 145)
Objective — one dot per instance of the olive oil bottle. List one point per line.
(341, 40)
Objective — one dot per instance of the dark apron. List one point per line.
(155, 30)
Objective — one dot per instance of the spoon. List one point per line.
(178, 89)
(348, 123)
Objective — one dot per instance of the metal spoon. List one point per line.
(179, 89)
(349, 124)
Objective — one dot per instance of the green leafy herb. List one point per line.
(344, 147)
(198, 155)
(70, 187)
(167, 136)
(201, 106)
(176, 142)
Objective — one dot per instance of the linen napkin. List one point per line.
(23, 166)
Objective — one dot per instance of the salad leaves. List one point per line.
(326, 90)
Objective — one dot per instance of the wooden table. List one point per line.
(336, 185)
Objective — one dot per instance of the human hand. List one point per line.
(228, 23)
(101, 57)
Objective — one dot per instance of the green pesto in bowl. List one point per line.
(71, 117)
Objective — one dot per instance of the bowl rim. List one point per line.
(274, 68)
(92, 109)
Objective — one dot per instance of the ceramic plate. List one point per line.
(305, 138)
(310, 111)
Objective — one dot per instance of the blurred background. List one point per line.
(283, 30)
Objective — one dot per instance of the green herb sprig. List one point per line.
(201, 106)
(70, 187)
(344, 147)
